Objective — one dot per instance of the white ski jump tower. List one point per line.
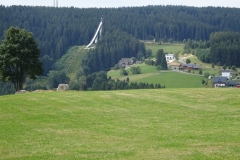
(97, 34)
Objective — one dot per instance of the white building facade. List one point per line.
(170, 57)
(226, 73)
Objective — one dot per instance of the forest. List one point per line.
(57, 29)
(223, 48)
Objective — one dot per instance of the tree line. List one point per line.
(100, 81)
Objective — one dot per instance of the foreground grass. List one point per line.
(135, 124)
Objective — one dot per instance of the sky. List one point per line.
(122, 3)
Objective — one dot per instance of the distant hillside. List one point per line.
(56, 29)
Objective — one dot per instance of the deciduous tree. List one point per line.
(19, 57)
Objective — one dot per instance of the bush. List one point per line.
(188, 61)
(206, 75)
(123, 72)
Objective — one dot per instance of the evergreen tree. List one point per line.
(159, 56)
(164, 62)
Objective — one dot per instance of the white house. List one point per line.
(226, 73)
(169, 57)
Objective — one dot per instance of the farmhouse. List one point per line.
(138, 62)
(219, 81)
(226, 73)
(232, 83)
(169, 57)
(125, 62)
(189, 67)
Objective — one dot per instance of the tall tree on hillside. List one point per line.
(159, 56)
(164, 62)
(161, 60)
(19, 57)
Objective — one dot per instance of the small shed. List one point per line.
(63, 87)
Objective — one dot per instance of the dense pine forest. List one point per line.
(223, 48)
(110, 49)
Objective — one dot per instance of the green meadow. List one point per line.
(174, 80)
(167, 47)
(71, 60)
(169, 79)
(128, 124)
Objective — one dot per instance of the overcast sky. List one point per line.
(122, 3)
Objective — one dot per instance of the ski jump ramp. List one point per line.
(98, 31)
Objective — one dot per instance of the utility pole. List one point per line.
(55, 3)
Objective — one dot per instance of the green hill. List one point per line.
(133, 124)
(70, 61)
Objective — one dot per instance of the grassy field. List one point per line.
(75, 63)
(169, 48)
(169, 79)
(173, 80)
(134, 124)
(70, 61)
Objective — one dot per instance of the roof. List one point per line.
(226, 71)
(191, 65)
(174, 64)
(232, 83)
(220, 80)
(126, 61)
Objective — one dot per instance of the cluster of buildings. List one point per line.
(126, 62)
(189, 67)
(224, 80)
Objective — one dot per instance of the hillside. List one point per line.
(70, 61)
(57, 29)
(134, 124)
